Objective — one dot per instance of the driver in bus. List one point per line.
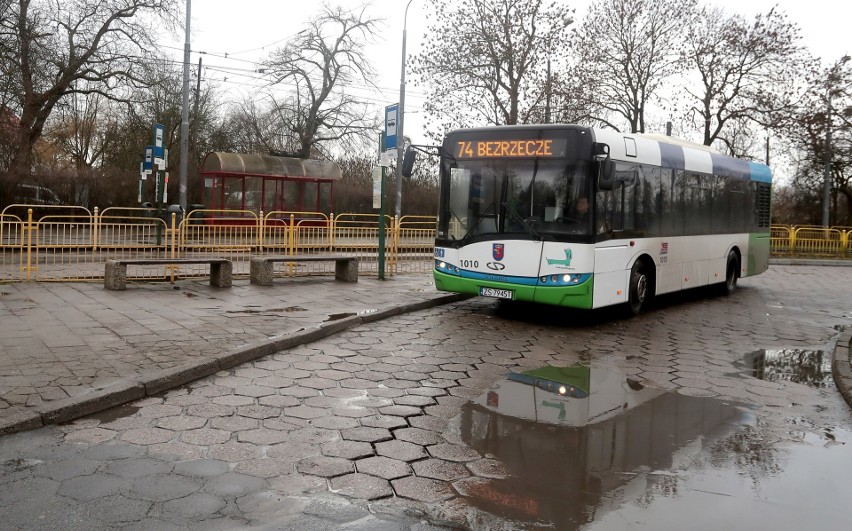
(581, 209)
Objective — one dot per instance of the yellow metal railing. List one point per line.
(47, 243)
(810, 241)
(74, 243)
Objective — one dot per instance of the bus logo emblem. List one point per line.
(498, 251)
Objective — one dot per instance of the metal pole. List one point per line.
(826, 185)
(184, 120)
(400, 139)
(382, 213)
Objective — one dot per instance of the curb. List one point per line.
(155, 382)
(810, 262)
(841, 366)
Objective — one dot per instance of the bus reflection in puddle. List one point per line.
(572, 437)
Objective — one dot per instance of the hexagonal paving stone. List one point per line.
(205, 436)
(315, 382)
(279, 401)
(159, 411)
(208, 410)
(414, 400)
(358, 383)
(438, 469)
(176, 451)
(266, 467)
(234, 452)
(137, 467)
(347, 449)
(401, 411)
(367, 434)
(400, 450)
(314, 435)
(293, 450)
(422, 489)
(180, 423)
(305, 412)
(353, 412)
(326, 467)
(361, 486)
(147, 436)
(428, 422)
(274, 382)
(263, 436)
(488, 468)
(258, 412)
(454, 452)
(161, 487)
(202, 468)
(235, 423)
(418, 436)
(63, 469)
(334, 423)
(197, 506)
(384, 421)
(233, 400)
(87, 488)
(233, 484)
(255, 391)
(92, 435)
(117, 509)
(383, 467)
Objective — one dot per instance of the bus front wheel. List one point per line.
(639, 288)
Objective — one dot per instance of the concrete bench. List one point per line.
(115, 274)
(345, 267)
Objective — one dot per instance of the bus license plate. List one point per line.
(497, 293)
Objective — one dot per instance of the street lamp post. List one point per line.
(400, 119)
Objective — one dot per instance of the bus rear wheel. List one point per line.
(639, 288)
(732, 273)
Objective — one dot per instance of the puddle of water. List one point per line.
(587, 447)
(115, 413)
(807, 367)
(568, 436)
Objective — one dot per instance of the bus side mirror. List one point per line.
(408, 162)
(606, 168)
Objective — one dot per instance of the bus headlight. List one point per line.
(566, 278)
(442, 265)
(543, 280)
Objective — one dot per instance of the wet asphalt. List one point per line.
(315, 404)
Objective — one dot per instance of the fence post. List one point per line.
(261, 236)
(29, 229)
(174, 242)
(95, 230)
(331, 228)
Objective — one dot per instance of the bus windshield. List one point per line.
(544, 199)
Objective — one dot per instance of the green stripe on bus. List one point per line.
(758, 253)
(568, 296)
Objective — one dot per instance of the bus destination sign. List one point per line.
(488, 149)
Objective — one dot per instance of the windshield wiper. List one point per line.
(479, 218)
(517, 217)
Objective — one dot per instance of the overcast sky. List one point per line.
(247, 30)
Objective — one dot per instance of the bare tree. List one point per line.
(54, 48)
(747, 72)
(485, 61)
(319, 65)
(624, 52)
(823, 135)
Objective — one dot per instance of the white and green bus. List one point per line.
(585, 218)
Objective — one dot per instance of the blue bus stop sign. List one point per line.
(391, 115)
